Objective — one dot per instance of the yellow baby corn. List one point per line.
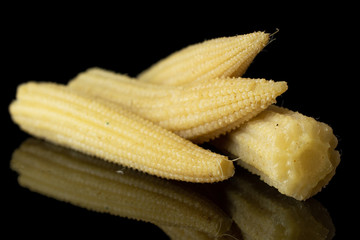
(220, 57)
(197, 111)
(262, 212)
(93, 126)
(294, 153)
(100, 186)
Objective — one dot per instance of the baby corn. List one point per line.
(198, 111)
(292, 152)
(100, 186)
(220, 57)
(93, 126)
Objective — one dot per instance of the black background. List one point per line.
(314, 51)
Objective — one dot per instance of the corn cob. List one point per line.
(262, 212)
(292, 152)
(220, 57)
(101, 186)
(58, 114)
(197, 111)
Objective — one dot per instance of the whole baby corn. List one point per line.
(93, 126)
(220, 57)
(294, 153)
(100, 186)
(198, 111)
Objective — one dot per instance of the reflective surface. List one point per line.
(241, 208)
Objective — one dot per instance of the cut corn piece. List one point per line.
(262, 212)
(100, 186)
(93, 126)
(294, 153)
(220, 57)
(197, 111)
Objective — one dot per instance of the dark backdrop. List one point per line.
(313, 53)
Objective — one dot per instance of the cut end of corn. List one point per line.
(294, 153)
(96, 127)
(220, 57)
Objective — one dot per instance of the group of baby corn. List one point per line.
(154, 122)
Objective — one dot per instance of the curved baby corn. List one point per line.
(220, 57)
(100, 186)
(197, 111)
(58, 114)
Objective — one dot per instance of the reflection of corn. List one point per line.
(58, 114)
(220, 57)
(197, 111)
(262, 212)
(178, 233)
(290, 151)
(104, 187)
